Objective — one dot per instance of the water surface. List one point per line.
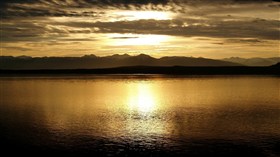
(148, 115)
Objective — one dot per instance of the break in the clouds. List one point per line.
(207, 28)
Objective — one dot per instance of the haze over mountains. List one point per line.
(92, 62)
(254, 61)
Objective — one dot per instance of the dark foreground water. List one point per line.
(144, 115)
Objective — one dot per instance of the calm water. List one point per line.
(144, 115)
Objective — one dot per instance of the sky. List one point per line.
(198, 28)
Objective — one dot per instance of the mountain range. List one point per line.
(94, 62)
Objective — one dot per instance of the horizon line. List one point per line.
(139, 54)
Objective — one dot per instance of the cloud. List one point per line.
(14, 8)
(15, 48)
(124, 37)
(21, 31)
(252, 40)
(66, 21)
(27, 30)
(250, 28)
(57, 19)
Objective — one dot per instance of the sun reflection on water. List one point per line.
(143, 110)
(142, 99)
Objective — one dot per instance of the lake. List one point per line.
(143, 115)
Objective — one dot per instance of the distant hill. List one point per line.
(93, 62)
(254, 61)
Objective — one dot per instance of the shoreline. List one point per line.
(142, 70)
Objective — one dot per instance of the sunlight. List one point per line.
(141, 15)
(142, 99)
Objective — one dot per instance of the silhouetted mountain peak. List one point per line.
(118, 56)
(234, 58)
(90, 56)
(175, 57)
(24, 57)
(144, 56)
